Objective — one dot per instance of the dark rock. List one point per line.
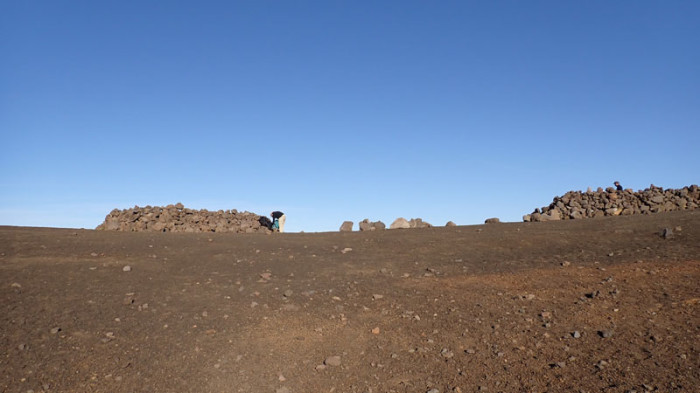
(346, 226)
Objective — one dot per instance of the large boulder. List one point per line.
(346, 226)
(400, 223)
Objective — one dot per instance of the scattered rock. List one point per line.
(346, 226)
(493, 220)
(666, 233)
(126, 268)
(332, 361)
(605, 333)
(400, 223)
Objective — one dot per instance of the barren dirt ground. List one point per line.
(597, 305)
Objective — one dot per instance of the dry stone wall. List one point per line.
(177, 218)
(611, 202)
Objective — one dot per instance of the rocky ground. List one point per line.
(594, 305)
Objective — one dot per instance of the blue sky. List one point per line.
(341, 110)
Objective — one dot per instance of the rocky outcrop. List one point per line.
(611, 202)
(177, 218)
(346, 226)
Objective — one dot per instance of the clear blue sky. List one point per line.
(341, 110)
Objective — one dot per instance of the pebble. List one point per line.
(375, 330)
(288, 293)
(126, 268)
(377, 296)
(605, 333)
(55, 330)
(332, 361)
(576, 334)
(345, 250)
(433, 391)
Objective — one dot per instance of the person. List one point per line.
(618, 186)
(278, 219)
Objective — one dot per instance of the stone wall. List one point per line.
(610, 202)
(177, 218)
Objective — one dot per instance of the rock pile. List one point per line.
(610, 202)
(177, 218)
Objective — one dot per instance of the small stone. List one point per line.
(375, 330)
(576, 334)
(667, 233)
(55, 330)
(605, 333)
(346, 250)
(332, 361)
(126, 268)
(377, 297)
(93, 254)
(565, 263)
(16, 285)
(288, 293)
(433, 391)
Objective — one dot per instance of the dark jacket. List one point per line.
(277, 214)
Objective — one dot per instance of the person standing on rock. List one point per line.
(618, 186)
(278, 219)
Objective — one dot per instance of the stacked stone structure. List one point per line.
(177, 218)
(610, 202)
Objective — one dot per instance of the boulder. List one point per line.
(493, 220)
(346, 226)
(400, 223)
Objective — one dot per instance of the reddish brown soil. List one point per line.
(490, 308)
